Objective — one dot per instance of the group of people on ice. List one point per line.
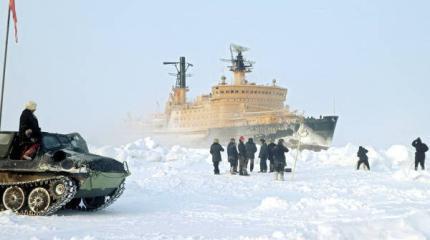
(239, 155)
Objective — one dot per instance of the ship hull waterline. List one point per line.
(314, 134)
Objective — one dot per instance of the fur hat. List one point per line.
(31, 105)
(216, 140)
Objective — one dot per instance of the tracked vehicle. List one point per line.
(62, 175)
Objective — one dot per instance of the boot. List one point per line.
(281, 176)
(276, 176)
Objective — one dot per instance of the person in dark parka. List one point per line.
(420, 154)
(28, 123)
(29, 134)
(270, 149)
(362, 156)
(243, 160)
(251, 149)
(216, 150)
(279, 159)
(233, 156)
(263, 155)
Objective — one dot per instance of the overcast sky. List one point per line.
(89, 63)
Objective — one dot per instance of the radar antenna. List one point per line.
(239, 66)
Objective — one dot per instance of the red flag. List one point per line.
(15, 19)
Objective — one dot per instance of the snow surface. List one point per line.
(172, 194)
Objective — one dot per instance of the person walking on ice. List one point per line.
(420, 154)
(362, 156)
(216, 150)
(243, 160)
(270, 149)
(263, 155)
(279, 159)
(233, 156)
(251, 149)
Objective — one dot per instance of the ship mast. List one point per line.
(239, 66)
(180, 89)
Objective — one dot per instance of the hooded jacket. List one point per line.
(264, 151)
(270, 149)
(232, 151)
(29, 121)
(242, 149)
(420, 148)
(362, 154)
(216, 150)
(251, 149)
(279, 153)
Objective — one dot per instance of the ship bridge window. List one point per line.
(237, 91)
(222, 91)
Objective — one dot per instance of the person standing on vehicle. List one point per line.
(420, 154)
(362, 156)
(29, 133)
(263, 155)
(270, 149)
(28, 123)
(279, 159)
(243, 160)
(216, 150)
(251, 149)
(233, 156)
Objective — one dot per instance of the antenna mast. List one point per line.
(180, 89)
(239, 66)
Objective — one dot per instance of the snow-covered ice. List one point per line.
(172, 194)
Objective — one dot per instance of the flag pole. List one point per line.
(4, 65)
